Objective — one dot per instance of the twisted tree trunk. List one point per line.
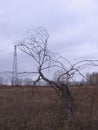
(66, 96)
(67, 99)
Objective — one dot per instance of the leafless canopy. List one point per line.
(35, 45)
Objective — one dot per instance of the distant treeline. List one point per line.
(91, 79)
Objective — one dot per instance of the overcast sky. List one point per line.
(71, 24)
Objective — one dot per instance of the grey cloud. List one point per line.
(72, 26)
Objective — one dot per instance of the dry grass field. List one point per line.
(26, 108)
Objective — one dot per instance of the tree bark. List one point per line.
(67, 99)
(66, 96)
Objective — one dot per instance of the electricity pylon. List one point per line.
(15, 69)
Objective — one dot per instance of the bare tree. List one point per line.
(20, 82)
(65, 79)
(92, 78)
(46, 62)
(35, 45)
(28, 82)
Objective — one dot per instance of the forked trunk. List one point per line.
(67, 99)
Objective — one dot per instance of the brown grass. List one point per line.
(40, 109)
